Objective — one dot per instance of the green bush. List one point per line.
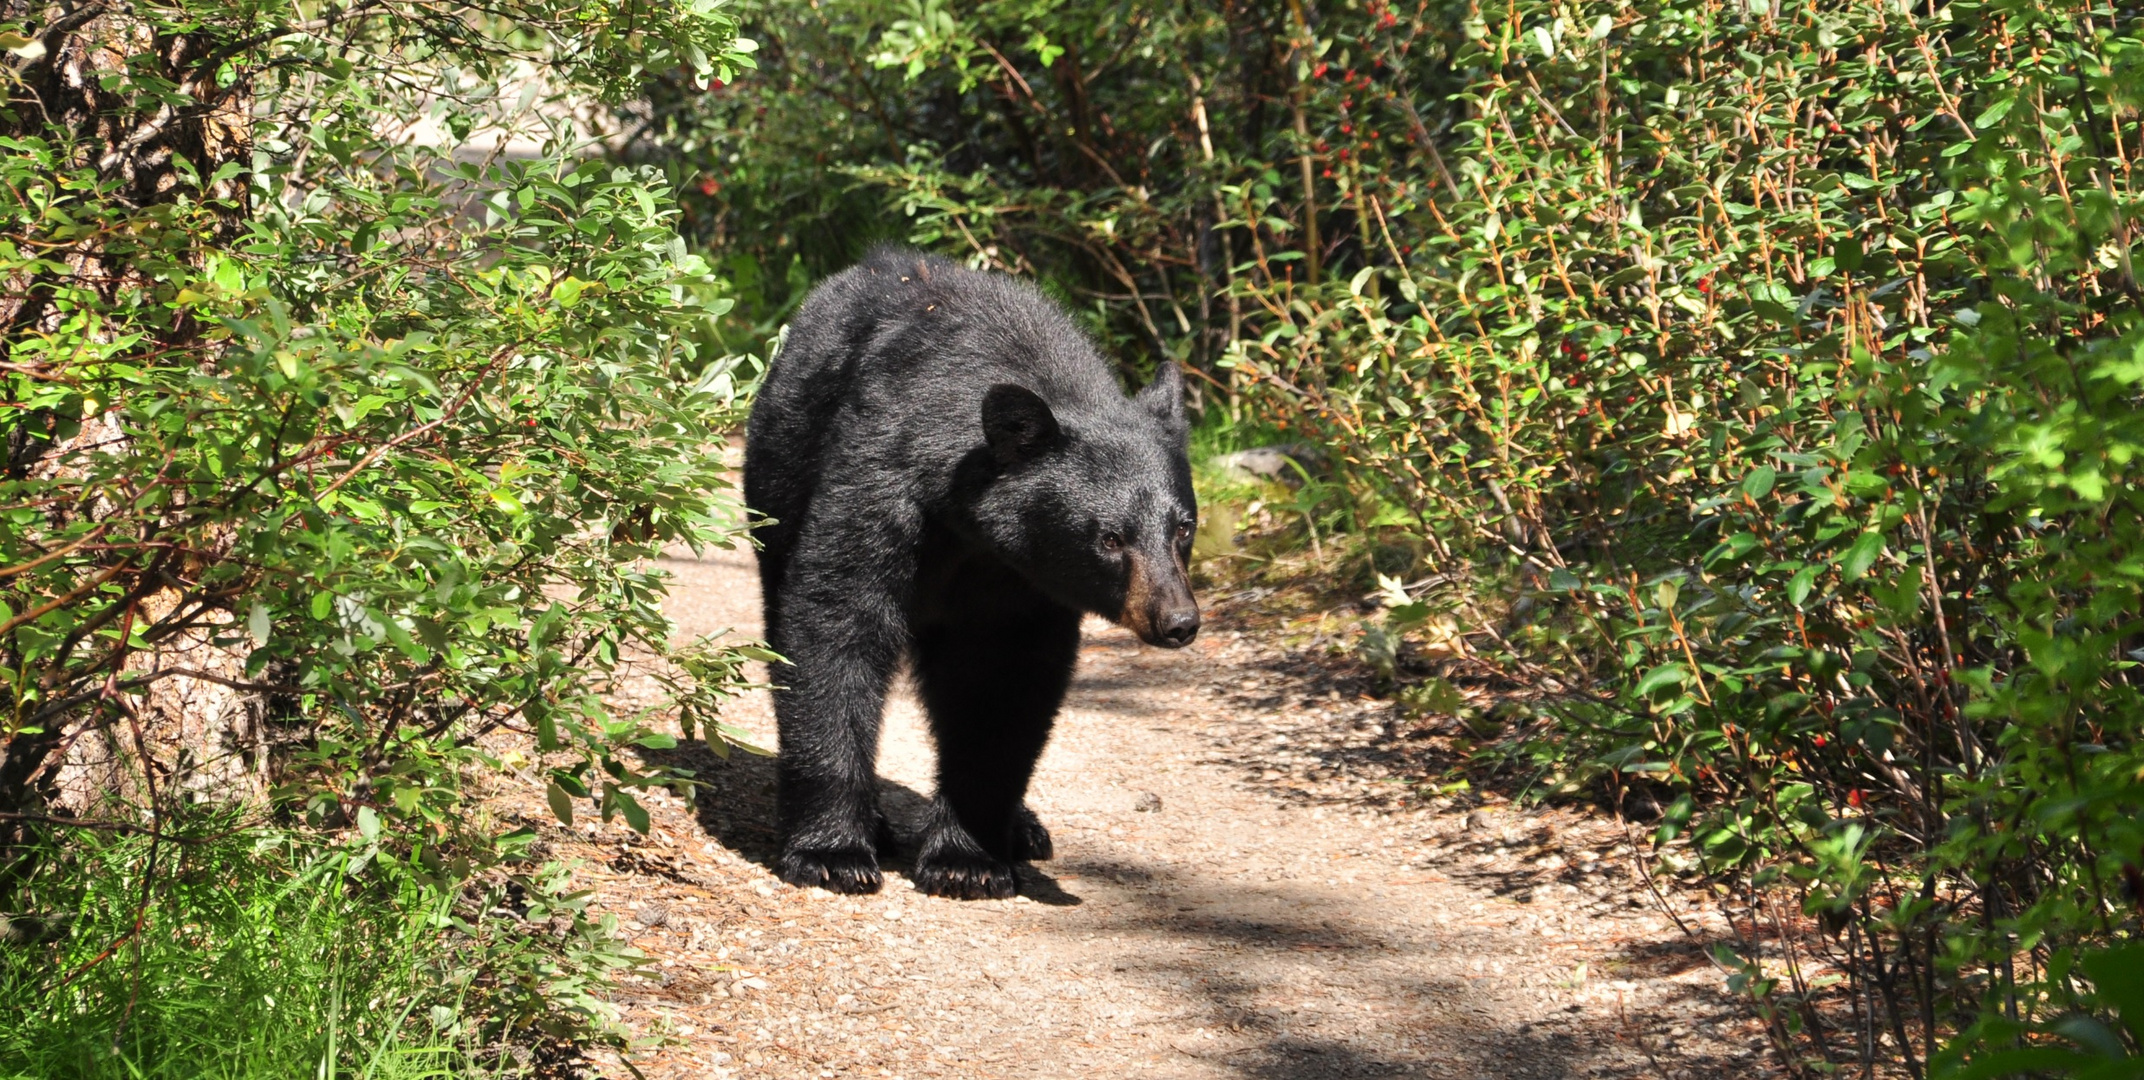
(344, 380)
(1811, 411)
(1783, 359)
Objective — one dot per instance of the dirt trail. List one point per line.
(1235, 895)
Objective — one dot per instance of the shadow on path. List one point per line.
(1266, 979)
(736, 808)
(1251, 967)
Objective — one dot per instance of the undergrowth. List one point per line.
(337, 445)
(1759, 384)
(233, 953)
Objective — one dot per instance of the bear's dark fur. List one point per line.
(952, 476)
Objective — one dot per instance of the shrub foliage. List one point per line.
(1787, 357)
(347, 394)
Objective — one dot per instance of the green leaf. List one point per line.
(1798, 588)
(1674, 818)
(1732, 548)
(561, 803)
(1861, 556)
(1662, 676)
(539, 713)
(2035, 1061)
(742, 740)
(2118, 978)
(1846, 252)
(636, 815)
(258, 623)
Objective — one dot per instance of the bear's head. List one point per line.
(1095, 506)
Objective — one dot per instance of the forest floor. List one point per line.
(1249, 883)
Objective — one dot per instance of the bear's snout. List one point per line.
(1179, 627)
(1158, 605)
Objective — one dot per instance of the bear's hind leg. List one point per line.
(992, 689)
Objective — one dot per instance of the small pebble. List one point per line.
(1148, 803)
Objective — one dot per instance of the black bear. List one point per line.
(952, 476)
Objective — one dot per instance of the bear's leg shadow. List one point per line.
(992, 689)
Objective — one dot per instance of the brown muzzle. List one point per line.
(1158, 605)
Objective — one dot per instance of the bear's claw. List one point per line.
(963, 876)
(842, 871)
(1030, 840)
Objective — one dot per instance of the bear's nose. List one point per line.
(1179, 627)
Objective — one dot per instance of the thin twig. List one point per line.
(497, 357)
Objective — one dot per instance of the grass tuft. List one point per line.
(239, 954)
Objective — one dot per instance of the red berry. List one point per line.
(1319, 71)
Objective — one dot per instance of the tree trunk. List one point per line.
(114, 94)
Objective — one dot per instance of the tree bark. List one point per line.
(118, 96)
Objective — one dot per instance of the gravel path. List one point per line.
(1239, 892)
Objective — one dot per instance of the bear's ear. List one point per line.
(1164, 397)
(1017, 423)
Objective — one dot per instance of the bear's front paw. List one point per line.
(1030, 841)
(965, 876)
(843, 870)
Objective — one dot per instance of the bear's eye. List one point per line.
(1183, 529)
(1112, 542)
